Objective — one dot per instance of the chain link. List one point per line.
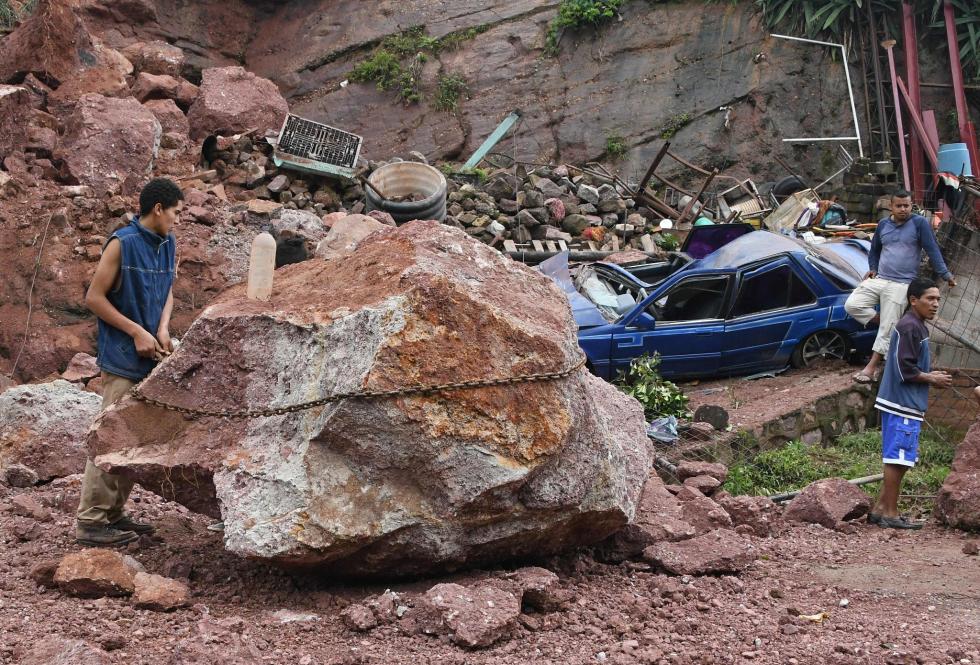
(359, 394)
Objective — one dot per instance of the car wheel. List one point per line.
(821, 345)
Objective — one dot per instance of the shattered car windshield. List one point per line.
(833, 265)
(613, 296)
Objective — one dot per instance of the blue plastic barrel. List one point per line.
(954, 158)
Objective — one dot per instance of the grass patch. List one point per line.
(448, 91)
(396, 64)
(615, 146)
(796, 465)
(12, 12)
(450, 169)
(577, 14)
(674, 125)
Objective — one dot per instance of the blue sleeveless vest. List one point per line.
(146, 273)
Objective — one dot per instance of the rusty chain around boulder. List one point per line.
(360, 394)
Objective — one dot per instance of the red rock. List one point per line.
(383, 217)
(171, 118)
(232, 100)
(626, 257)
(689, 469)
(81, 367)
(43, 573)
(94, 386)
(358, 618)
(57, 650)
(345, 234)
(571, 453)
(702, 513)
(6, 382)
(659, 518)
(43, 427)
(187, 94)
(106, 81)
(28, 506)
(110, 144)
(41, 140)
(719, 551)
(155, 86)
(758, 513)
(704, 484)
(18, 475)
(540, 588)
(958, 501)
(39, 44)
(162, 594)
(93, 573)
(473, 618)
(15, 109)
(971, 548)
(828, 502)
(156, 58)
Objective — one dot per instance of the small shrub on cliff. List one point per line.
(382, 69)
(575, 14)
(615, 146)
(674, 125)
(449, 89)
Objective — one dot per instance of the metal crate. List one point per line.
(316, 148)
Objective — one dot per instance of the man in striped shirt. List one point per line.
(903, 397)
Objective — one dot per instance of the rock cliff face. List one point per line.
(400, 485)
(705, 74)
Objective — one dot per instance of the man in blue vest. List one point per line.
(893, 262)
(132, 296)
(903, 397)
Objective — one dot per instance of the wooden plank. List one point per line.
(536, 244)
(510, 246)
(646, 241)
(615, 242)
(550, 245)
(562, 246)
(592, 247)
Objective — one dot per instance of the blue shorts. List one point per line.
(899, 439)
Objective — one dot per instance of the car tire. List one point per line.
(786, 187)
(821, 345)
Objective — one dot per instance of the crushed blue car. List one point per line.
(758, 303)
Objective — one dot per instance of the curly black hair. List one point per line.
(159, 190)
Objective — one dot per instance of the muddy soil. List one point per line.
(888, 597)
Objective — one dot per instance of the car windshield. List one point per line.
(613, 295)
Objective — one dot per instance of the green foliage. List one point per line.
(449, 88)
(967, 32)
(667, 241)
(796, 465)
(382, 68)
(576, 14)
(615, 146)
(11, 12)
(674, 125)
(658, 396)
(450, 169)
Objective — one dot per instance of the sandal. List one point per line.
(862, 378)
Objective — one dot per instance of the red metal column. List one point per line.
(911, 47)
(967, 130)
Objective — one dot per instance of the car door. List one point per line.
(683, 322)
(773, 305)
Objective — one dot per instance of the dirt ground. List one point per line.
(889, 597)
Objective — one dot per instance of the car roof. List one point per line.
(748, 249)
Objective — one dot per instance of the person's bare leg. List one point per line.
(887, 504)
(872, 366)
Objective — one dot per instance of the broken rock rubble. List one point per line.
(828, 502)
(958, 502)
(718, 551)
(389, 486)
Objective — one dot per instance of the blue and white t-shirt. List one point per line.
(908, 356)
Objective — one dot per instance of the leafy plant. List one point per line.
(615, 146)
(667, 241)
(674, 125)
(967, 32)
(11, 12)
(577, 14)
(449, 88)
(382, 68)
(658, 396)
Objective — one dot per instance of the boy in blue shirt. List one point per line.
(132, 294)
(893, 262)
(903, 397)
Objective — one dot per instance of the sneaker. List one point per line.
(874, 518)
(127, 523)
(897, 523)
(102, 536)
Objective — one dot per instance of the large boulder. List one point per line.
(43, 427)
(109, 144)
(828, 502)
(958, 502)
(156, 57)
(232, 100)
(396, 485)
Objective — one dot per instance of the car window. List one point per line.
(693, 299)
(773, 289)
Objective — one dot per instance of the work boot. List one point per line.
(99, 535)
(127, 523)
